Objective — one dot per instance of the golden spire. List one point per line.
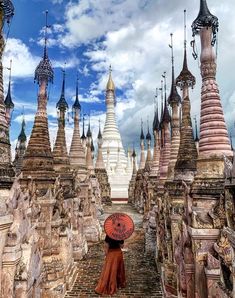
(110, 84)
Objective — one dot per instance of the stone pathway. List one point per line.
(142, 278)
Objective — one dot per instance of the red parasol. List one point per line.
(119, 226)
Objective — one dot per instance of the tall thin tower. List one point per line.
(112, 148)
(38, 159)
(77, 153)
(214, 138)
(111, 135)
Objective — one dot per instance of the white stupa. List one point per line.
(113, 153)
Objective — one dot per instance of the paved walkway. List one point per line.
(142, 278)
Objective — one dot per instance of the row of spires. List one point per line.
(185, 78)
(44, 72)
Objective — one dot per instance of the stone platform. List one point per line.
(119, 200)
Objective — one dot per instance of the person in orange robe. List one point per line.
(113, 273)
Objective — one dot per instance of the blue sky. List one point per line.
(89, 35)
(27, 30)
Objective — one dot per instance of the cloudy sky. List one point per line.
(132, 36)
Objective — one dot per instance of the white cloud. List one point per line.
(27, 117)
(23, 61)
(133, 36)
(70, 62)
(57, 1)
(91, 19)
(136, 44)
(89, 99)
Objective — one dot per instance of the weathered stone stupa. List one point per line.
(214, 146)
(112, 148)
(174, 101)
(142, 153)
(8, 101)
(60, 155)
(101, 173)
(175, 195)
(6, 170)
(165, 142)
(156, 149)
(20, 149)
(77, 153)
(131, 189)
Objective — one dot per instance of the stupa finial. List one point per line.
(45, 37)
(205, 19)
(156, 123)
(185, 78)
(142, 131)
(174, 95)
(83, 137)
(62, 104)
(44, 71)
(196, 132)
(99, 133)
(8, 100)
(89, 134)
(166, 116)
(22, 136)
(148, 135)
(76, 105)
(110, 85)
(8, 9)
(162, 100)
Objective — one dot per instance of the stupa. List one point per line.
(113, 152)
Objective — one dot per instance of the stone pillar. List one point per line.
(212, 277)
(6, 171)
(203, 241)
(166, 149)
(77, 153)
(190, 282)
(5, 223)
(11, 257)
(214, 138)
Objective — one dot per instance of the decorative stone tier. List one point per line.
(111, 136)
(38, 160)
(175, 139)
(185, 167)
(60, 155)
(101, 175)
(214, 138)
(6, 170)
(113, 153)
(156, 156)
(119, 185)
(77, 152)
(165, 154)
(7, 176)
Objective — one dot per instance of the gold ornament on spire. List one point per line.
(110, 84)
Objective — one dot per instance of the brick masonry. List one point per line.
(142, 277)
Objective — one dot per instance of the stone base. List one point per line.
(119, 184)
(81, 249)
(210, 167)
(119, 200)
